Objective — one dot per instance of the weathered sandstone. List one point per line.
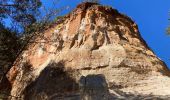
(94, 53)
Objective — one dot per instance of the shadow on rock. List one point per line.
(53, 83)
(5, 88)
(56, 83)
(94, 87)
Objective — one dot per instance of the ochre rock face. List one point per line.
(92, 53)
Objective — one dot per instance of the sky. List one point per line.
(151, 17)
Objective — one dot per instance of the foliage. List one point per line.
(58, 18)
(94, 1)
(23, 12)
(8, 47)
(26, 15)
(168, 30)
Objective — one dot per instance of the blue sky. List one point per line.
(150, 15)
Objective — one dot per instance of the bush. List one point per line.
(94, 1)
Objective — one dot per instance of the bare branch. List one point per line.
(8, 5)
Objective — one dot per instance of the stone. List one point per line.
(98, 54)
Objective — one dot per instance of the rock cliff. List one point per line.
(93, 53)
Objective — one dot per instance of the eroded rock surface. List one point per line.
(94, 53)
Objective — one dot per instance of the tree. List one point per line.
(23, 12)
(168, 29)
(94, 1)
(8, 48)
(26, 14)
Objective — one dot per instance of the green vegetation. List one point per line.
(58, 18)
(21, 12)
(168, 29)
(94, 1)
(8, 47)
(27, 22)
